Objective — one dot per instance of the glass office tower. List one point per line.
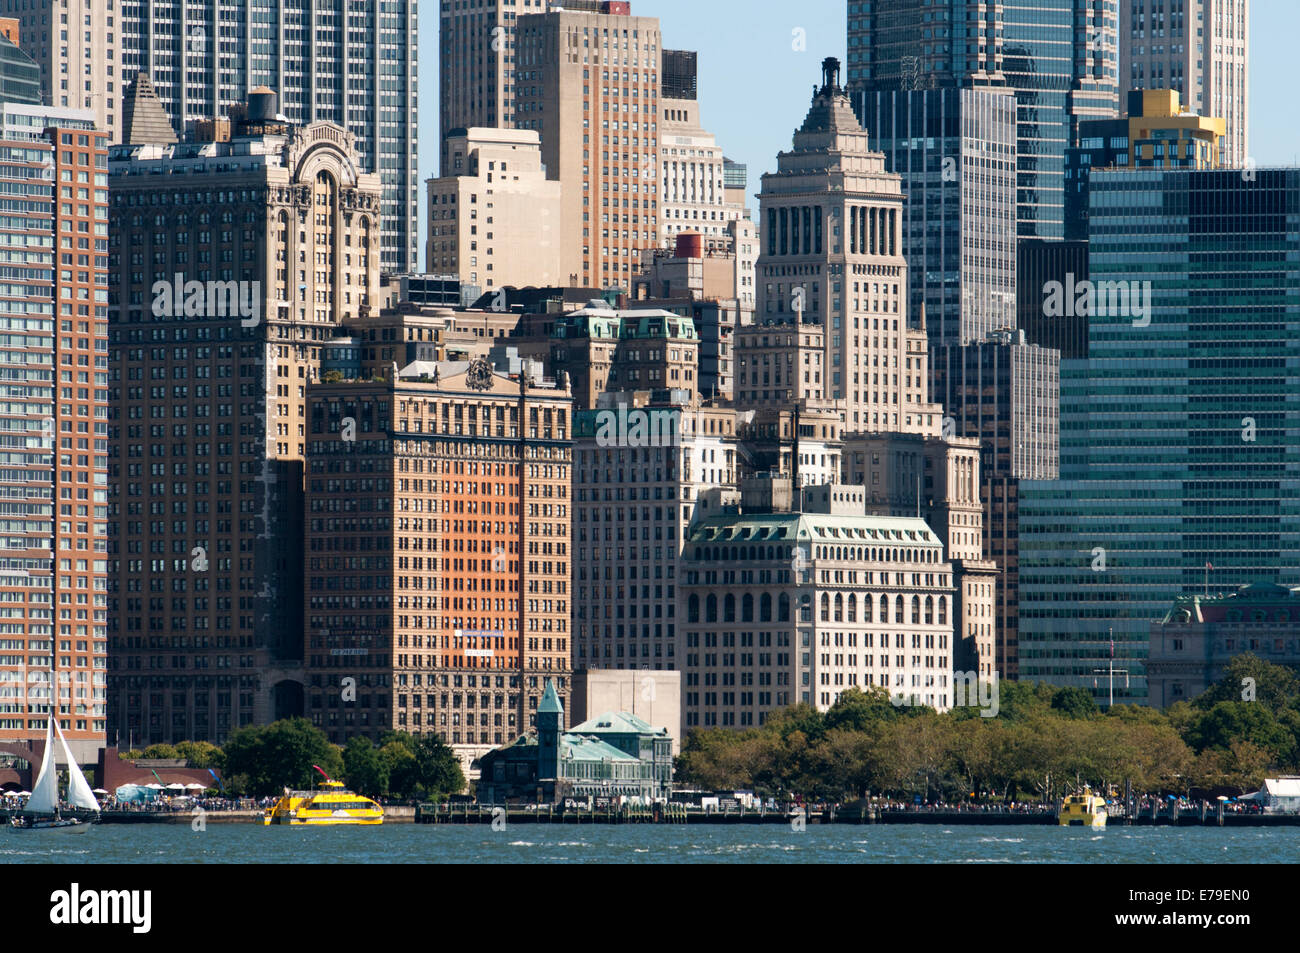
(1059, 56)
(1180, 451)
(956, 151)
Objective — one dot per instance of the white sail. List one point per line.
(79, 793)
(45, 792)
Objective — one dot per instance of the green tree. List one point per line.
(280, 755)
(1274, 686)
(161, 752)
(201, 754)
(1074, 703)
(432, 770)
(855, 710)
(802, 717)
(1230, 721)
(364, 768)
(1018, 701)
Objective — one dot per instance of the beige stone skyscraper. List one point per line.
(588, 82)
(694, 194)
(832, 256)
(494, 216)
(77, 44)
(1200, 48)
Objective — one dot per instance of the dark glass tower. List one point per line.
(1179, 450)
(20, 77)
(1059, 56)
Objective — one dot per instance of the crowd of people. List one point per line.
(1009, 807)
(178, 804)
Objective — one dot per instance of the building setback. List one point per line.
(832, 256)
(348, 62)
(1201, 49)
(233, 262)
(494, 218)
(1156, 134)
(79, 52)
(694, 193)
(437, 548)
(53, 488)
(588, 83)
(476, 65)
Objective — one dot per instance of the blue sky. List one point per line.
(754, 87)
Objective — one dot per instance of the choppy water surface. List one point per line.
(651, 844)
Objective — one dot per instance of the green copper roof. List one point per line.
(550, 700)
(574, 747)
(821, 527)
(616, 722)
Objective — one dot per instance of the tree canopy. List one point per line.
(1043, 742)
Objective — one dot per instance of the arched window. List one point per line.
(729, 608)
(765, 607)
(826, 607)
(916, 610)
(747, 608)
(839, 607)
(868, 609)
(693, 608)
(898, 609)
(853, 608)
(805, 608)
(929, 610)
(943, 610)
(783, 608)
(711, 608)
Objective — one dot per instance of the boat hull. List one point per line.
(322, 821)
(56, 827)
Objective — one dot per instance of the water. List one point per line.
(651, 844)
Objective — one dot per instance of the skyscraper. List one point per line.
(1180, 455)
(494, 217)
(1058, 55)
(349, 62)
(78, 46)
(439, 580)
(1156, 133)
(53, 487)
(1201, 48)
(694, 196)
(588, 82)
(1006, 393)
(476, 65)
(832, 256)
(956, 152)
(227, 285)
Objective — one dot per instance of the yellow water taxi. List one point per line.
(1083, 810)
(332, 804)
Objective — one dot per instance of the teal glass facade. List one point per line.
(1180, 438)
(1059, 56)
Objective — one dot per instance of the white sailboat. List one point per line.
(41, 812)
